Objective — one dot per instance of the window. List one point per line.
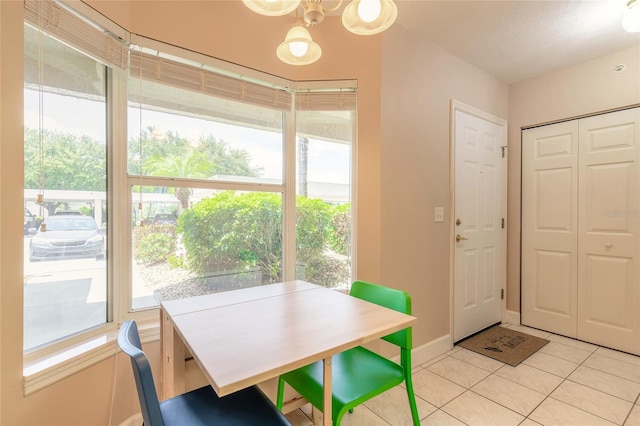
(65, 163)
(226, 140)
(324, 134)
(182, 178)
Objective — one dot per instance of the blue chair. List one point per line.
(359, 374)
(199, 407)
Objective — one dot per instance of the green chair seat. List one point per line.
(377, 374)
(359, 374)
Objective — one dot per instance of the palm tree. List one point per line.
(192, 165)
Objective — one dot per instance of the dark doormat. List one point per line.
(504, 344)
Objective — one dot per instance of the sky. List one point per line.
(328, 162)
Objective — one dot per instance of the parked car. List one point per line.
(70, 236)
(164, 218)
(29, 221)
(68, 213)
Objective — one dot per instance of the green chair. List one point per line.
(359, 374)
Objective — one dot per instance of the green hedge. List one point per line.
(235, 231)
(154, 243)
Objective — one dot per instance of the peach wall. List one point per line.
(415, 168)
(581, 89)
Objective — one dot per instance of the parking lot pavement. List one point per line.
(62, 297)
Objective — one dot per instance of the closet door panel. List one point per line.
(608, 235)
(549, 228)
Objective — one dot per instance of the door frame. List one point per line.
(455, 106)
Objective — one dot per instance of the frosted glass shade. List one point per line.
(359, 16)
(298, 48)
(272, 7)
(631, 19)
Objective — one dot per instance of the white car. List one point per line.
(71, 236)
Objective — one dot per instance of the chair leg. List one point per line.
(409, 383)
(280, 398)
(412, 401)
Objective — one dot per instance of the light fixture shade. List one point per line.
(298, 48)
(272, 7)
(631, 19)
(366, 17)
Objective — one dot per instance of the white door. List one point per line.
(549, 228)
(608, 236)
(478, 264)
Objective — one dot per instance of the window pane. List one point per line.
(182, 134)
(65, 278)
(226, 240)
(323, 203)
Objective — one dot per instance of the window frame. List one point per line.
(58, 360)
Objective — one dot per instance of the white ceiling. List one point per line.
(516, 40)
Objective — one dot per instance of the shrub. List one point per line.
(340, 230)
(328, 269)
(313, 219)
(154, 243)
(235, 231)
(229, 232)
(155, 248)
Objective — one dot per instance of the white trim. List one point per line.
(135, 420)
(431, 350)
(304, 86)
(459, 106)
(89, 13)
(354, 193)
(511, 317)
(178, 53)
(54, 367)
(428, 351)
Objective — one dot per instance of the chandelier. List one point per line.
(631, 19)
(363, 17)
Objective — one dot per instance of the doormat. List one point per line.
(504, 344)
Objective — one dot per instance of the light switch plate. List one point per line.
(439, 214)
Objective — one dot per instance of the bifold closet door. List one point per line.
(549, 228)
(608, 234)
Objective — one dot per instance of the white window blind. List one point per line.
(344, 100)
(69, 28)
(201, 80)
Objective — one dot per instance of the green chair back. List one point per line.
(391, 298)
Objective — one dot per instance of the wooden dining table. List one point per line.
(244, 337)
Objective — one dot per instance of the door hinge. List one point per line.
(503, 148)
(503, 223)
(502, 294)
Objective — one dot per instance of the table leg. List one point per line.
(172, 364)
(327, 393)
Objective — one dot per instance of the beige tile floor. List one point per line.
(567, 382)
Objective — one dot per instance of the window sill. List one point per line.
(52, 366)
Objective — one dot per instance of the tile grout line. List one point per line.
(547, 396)
(565, 379)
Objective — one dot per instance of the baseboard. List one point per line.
(431, 350)
(135, 420)
(512, 317)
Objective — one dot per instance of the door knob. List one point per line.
(608, 245)
(459, 238)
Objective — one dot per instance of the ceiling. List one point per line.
(516, 40)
